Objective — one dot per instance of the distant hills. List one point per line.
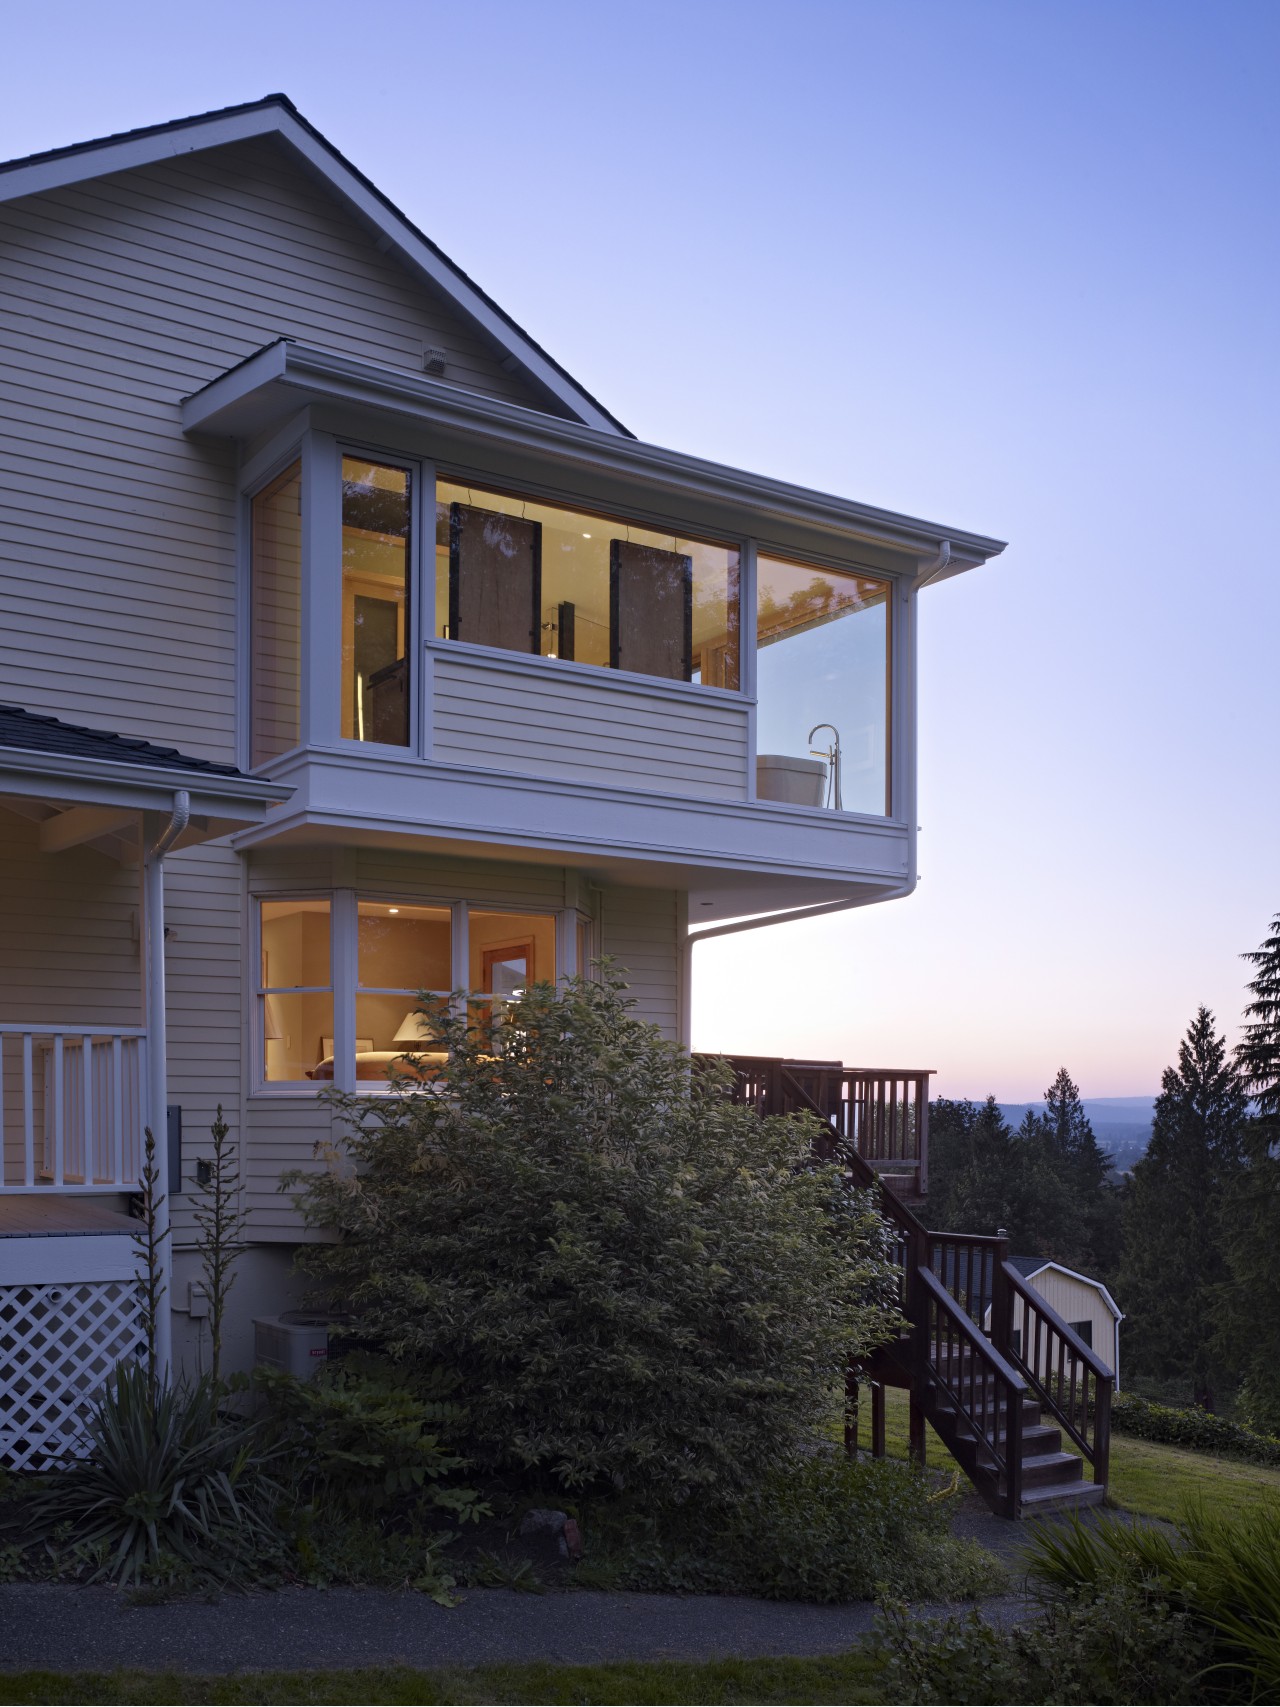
(1122, 1124)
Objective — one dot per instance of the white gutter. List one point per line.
(157, 1061)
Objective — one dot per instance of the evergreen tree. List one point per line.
(1258, 1053)
(985, 1176)
(1175, 1217)
(1089, 1238)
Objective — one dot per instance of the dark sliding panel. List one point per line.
(495, 579)
(650, 610)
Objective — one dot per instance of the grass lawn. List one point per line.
(1153, 1480)
(849, 1678)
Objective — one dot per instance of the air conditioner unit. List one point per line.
(296, 1342)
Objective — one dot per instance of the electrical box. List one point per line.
(197, 1299)
(296, 1342)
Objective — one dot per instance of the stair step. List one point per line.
(1051, 1496)
(1040, 1468)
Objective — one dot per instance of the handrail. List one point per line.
(1057, 1389)
(974, 1334)
(1084, 1352)
(982, 1389)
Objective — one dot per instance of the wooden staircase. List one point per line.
(979, 1347)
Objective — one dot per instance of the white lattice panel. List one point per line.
(58, 1344)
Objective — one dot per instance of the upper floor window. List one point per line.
(275, 578)
(528, 576)
(822, 686)
(377, 515)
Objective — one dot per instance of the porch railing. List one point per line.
(72, 1107)
(882, 1111)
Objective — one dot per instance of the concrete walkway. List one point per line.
(55, 1628)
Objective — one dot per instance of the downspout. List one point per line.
(157, 1059)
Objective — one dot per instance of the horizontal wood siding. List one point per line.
(569, 726)
(640, 929)
(118, 298)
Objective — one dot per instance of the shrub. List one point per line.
(1221, 1575)
(1124, 1643)
(638, 1282)
(1199, 1429)
(824, 1528)
(170, 1488)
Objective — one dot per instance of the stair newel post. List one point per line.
(1102, 1429)
(1001, 1297)
(1002, 1339)
(917, 1306)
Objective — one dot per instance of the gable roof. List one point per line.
(276, 116)
(1028, 1267)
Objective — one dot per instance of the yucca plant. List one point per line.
(168, 1485)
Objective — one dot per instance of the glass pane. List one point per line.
(297, 1029)
(386, 1027)
(576, 574)
(297, 1023)
(823, 659)
(405, 948)
(276, 617)
(375, 602)
(509, 951)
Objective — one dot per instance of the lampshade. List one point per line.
(414, 1028)
(272, 1029)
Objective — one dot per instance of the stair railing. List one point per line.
(969, 1378)
(1068, 1377)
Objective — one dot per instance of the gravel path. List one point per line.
(50, 1627)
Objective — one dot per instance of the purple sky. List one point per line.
(1008, 266)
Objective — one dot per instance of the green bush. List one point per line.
(1124, 1643)
(639, 1283)
(1220, 1574)
(170, 1489)
(824, 1528)
(1193, 1427)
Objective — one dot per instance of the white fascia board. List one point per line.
(217, 131)
(51, 1259)
(1085, 1280)
(244, 400)
(514, 810)
(75, 781)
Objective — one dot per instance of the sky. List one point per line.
(1010, 265)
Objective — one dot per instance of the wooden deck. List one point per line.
(36, 1215)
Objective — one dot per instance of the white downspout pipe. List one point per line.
(157, 1060)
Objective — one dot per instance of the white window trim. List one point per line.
(344, 971)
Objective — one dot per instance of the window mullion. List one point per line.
(345, 953)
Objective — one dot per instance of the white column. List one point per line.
(158, 1095)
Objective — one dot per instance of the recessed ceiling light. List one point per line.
(393, 909)
(586, 536)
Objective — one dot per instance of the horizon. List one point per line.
(1007, 268)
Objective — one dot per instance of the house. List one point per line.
(351, 647)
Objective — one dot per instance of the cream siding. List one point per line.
(118, 298)
(556, 723)
(1077, 1301)
(641, 930)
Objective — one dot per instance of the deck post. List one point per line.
(916, 1431)
(851, 1412)
(877, 1419)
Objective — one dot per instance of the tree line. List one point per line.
(1189, 1241)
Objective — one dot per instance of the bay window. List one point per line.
(342, 978)
(377, 567)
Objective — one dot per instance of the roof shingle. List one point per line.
(33, 732)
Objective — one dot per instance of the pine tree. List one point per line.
(1175, 1217)
(1258, 1053)
(985, 1176)
(1066, 1138)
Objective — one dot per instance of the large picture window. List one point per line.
(396, 951)
(822, 686)
(528, 576)
(376, 569)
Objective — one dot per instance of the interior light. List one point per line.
(586, 536)
(393, 909)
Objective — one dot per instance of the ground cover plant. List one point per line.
(638, 1283)
(1192, 1426)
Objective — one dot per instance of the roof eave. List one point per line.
(72, 780)
(286, 375)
